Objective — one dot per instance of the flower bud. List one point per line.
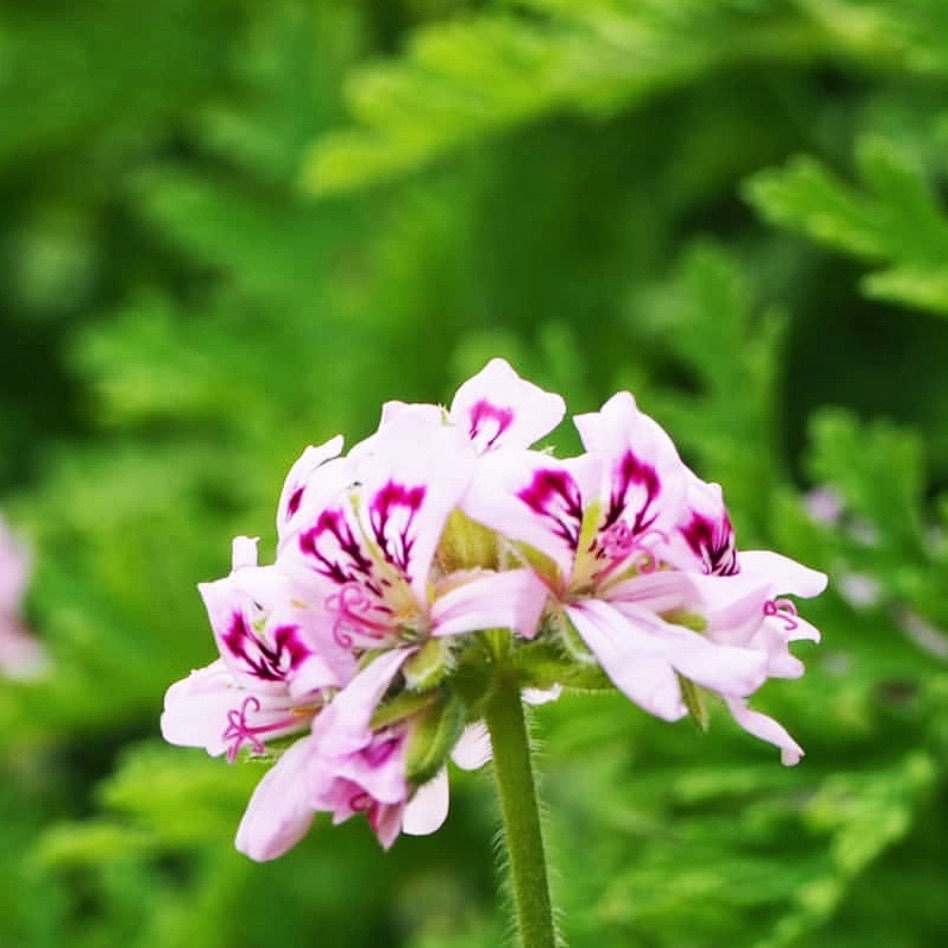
(427, 668)
(466, 545)
(434, 734)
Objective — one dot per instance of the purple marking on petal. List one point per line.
(484, 414)
(332, 543)
(554, 495)
(379, 751)
(713, 542)
(392, 517)
(630, 473)
(269, 663)
(293, 504)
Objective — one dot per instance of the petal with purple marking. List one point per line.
(535, 499)
(415, 477)
(310, 477)
(498, 409)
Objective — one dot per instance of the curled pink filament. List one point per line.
(785, 610)
(360, 802)
(238, 732)
(620, 542)
(350, 606)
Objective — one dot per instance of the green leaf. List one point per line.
(893, 221)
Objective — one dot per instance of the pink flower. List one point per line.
(21, 655)
(495, 409)
(367, 546)
(344, 767)
(275, 669)
(411, 569)
(636, 550)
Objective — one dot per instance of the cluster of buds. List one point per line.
(443, 548)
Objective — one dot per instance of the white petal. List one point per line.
(244, 552)
(498, 409)
(630, 658)
(513, 599)
(473, 748)
(538, 696)
(279, 813)
(783, 574)
(428, 808)
(343, 726)
(767, 729)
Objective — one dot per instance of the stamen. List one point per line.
(620, 542)
(239, 732)
(350, 606)
(360, 802)
(785, 610)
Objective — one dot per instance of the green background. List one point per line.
(230, 229)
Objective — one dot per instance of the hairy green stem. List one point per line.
(513, 772)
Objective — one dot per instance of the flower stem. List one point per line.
(513, 772)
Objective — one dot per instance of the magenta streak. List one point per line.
(261, 660)
(379, 751)
(631, 472)
(713, 543)
(239, 732)
(293, 504)
(389, 499)
(484, 412)
(349, 606)
(336, 567)
(548, 489)
(785, 610)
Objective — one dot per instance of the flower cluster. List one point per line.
(21, 655)
(443, 548)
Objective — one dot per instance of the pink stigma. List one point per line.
(785, 610)
(349, 606)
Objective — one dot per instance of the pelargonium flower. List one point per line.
(21, 655)
(275, 668)
(415, 573)
(365, 537)
(639, 556)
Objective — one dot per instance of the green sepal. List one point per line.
(545, 566)
(404, 705)
(474, 670)
(429, 666)
(695, 703)
(543, 665)
(466, 545)
(569, 639)
(689, 620)
(433, 736)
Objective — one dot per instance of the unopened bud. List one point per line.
(466, 545)
(427, 668)
(433, 737)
